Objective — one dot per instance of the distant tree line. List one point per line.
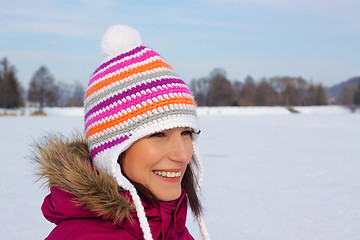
(213, 90)
(43, 90)
(218, 90)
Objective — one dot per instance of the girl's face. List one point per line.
(158, 161)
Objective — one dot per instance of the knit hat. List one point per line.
(134, 93)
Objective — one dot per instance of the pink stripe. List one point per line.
(117, 58)
(124, 64)
(133, 102)
(107, 145)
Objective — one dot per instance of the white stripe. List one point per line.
(131, 66)
(124, 81)
(105, 141)
(140, 212)
(121, 60)
(136, 107)
(183, 120)
(202, 227)
(133, 96)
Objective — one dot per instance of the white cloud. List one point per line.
(337, 9)
(46, 56)
(69, 17)
(66, 67)
(296, 3)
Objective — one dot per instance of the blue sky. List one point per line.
(316, 39)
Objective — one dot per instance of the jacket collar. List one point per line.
(66, 165)
(78, 190)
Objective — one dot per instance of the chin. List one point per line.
(167, 196)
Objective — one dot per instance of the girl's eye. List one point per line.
(187, 133)
(158, 134)
(190, 133)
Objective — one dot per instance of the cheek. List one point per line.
(138, 162)
(130, 164)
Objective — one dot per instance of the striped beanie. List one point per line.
(134, 93)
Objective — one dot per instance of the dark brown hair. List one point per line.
(188, 183)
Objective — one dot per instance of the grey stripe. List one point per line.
(125, 84)
(143, 121)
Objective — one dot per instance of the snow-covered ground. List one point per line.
(269, 174)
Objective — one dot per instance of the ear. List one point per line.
(121, 159)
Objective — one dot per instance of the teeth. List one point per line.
(168, 174)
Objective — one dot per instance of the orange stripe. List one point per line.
(138, 112)
(149, 66)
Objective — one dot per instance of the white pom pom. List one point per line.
(119, 39)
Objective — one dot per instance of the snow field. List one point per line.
(282, 177)
(268, 175)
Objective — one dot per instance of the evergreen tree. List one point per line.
(10, 89)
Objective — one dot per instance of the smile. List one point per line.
(168, 174)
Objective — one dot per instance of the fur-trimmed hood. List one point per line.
(66, 165)
(81, 192)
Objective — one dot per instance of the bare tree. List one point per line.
(290, 90)
(247, 92)
(199, 88)
(42, 89)
(77, 98)
(221, 91)
(347, 96)
(315, 95)
(264, 94)
(237, 85)
(64, 93)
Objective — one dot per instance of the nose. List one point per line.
(180, 149)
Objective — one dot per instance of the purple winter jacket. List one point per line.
(87, 204)
(166, 219)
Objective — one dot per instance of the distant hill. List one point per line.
(337, 89)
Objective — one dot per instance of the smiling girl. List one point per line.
(138, 167)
